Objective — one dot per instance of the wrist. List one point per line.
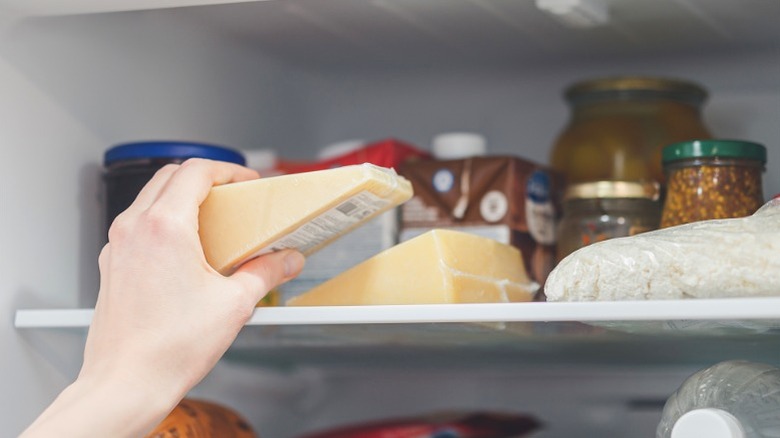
(133, 395)
(107, 406)
(155, 384)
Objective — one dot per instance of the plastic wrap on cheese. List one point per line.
(438, 267)
(303, 211)
(708, 259)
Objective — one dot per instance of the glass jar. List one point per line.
(129, 166)
(712, 179)
(619, 126)
(602, 210)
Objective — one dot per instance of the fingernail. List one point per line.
(293, 263)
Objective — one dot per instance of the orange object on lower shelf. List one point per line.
(201, 419)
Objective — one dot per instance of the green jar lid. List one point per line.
(714, 148)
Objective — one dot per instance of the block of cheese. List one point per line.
(304, 211)
(437, 267)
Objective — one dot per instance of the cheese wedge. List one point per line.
(304, 211)
(439, 266)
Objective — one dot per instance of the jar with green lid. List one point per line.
(619, 125)
(712, 179)
(602, 210)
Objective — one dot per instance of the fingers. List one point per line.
(260, 275)
(152, 189)
(103, 266)
(190, 184)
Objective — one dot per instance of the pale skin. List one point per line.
(163, 317)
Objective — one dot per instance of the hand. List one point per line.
(164, 317)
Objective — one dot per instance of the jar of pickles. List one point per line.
(712, 179)
(619, 125)
(602, 210)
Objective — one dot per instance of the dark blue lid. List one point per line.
(171, 149)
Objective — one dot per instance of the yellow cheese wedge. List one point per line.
(305, 211)
(439, 266)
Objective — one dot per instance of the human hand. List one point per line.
(164, 317)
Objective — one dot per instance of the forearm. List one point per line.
(108, 407)
(163, 317)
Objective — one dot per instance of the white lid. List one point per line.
(334, 150)
(260, 159)
(710, 423)
(455, 145)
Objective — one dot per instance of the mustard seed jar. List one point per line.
(712, 179)
(619, 126)
(603, 210)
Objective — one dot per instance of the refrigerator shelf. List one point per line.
(759, 314)
(652, 333)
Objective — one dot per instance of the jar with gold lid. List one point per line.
(602, 210)
(712, 179)
(619, 126)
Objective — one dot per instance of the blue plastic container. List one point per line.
(129, 166)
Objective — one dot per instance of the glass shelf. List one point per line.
(647, 333)
(758, 314)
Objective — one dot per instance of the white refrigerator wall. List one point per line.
(73, 86)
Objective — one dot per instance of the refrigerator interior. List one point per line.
(293, 75)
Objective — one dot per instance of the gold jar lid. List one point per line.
(613, 189)
(627, 87)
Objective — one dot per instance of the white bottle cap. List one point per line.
(260, 159)
(334, 150)
(710, 423)
(456, 145)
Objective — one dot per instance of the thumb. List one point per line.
(261, 274)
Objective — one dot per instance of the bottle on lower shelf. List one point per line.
(732, 399)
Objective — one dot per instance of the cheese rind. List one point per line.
(302, 211)
(437, 267)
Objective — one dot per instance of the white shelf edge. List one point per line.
(671, 310)
(53, 318)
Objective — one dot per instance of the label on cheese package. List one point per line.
(304, 211)
(438, 267)
(330, 224)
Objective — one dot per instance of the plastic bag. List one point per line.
(708, 259)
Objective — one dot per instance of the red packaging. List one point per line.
(386, 153)
(454, 425)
